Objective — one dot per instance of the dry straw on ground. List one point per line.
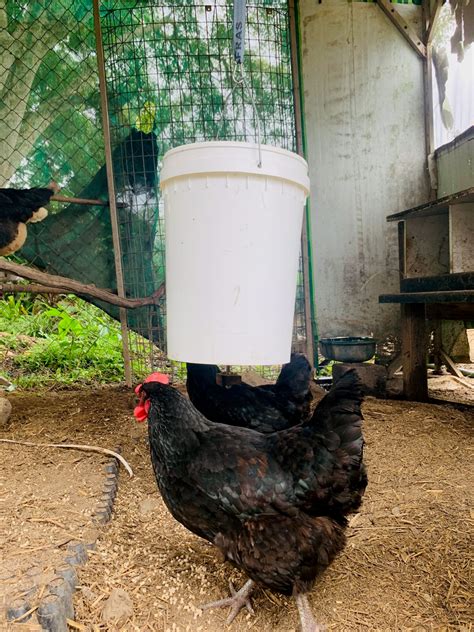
(407, 566)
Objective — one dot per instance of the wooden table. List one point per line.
(436, 260)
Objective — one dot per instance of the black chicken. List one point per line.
(274, 504)
(265, 408)
(19, 207)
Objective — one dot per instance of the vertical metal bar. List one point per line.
(300, 149)
(111, 188)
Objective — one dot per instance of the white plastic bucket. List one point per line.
(232, 247)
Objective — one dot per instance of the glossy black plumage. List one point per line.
(19, 205)
(17, 208)
(275, 504)
(263, 408)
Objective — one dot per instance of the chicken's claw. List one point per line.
(237, 601)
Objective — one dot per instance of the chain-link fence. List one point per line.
(170, 81)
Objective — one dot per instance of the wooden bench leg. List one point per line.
(414, 349)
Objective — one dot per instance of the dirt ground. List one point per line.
(407, 565)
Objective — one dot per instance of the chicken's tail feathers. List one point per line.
(339, 415)
(201, 373)
(295, 377)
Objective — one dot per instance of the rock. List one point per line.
(51, 614)
(89, 595)
(148, 505)
(118, 607)
(17, 609)
(5, 411)
(77, 554)
(395, 387)
(68, 572)
(60, 587)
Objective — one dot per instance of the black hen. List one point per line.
(17, 208)
(262, 408)
(276, 504)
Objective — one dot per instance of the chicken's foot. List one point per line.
(239, 600)
(308, 624)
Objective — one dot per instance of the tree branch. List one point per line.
(52, 282)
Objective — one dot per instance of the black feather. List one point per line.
(266, 408)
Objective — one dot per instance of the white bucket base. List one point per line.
(232, 252)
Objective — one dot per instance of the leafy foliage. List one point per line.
(71, 342)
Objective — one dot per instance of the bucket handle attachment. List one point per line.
(239, 78)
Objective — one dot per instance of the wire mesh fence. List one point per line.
(50, 129)
(185, 89)
(170, 81)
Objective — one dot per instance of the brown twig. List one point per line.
(76, 200)
(74, 446)
(52, 282)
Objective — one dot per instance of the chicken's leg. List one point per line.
(308, 624)
(238, 600)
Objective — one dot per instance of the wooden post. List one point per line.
(415, 379)
(428, 24)
(111, 187)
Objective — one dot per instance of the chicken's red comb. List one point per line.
(141, 410)
(153, 377)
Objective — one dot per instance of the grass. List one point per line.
(71, 342)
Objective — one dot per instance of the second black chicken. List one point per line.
(266, 409)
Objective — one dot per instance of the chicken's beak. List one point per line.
(140, 411)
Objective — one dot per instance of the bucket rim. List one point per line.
(225, 157)
(237, 145)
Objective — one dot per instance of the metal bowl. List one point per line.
(348, 348)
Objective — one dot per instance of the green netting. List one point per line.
(169, 81)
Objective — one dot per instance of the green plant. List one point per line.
(72, 342)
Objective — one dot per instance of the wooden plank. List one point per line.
(406, 30)
(415, 380)
(464, 296)
(450, 311)
(433, 20)
(450, 365)
(439, 283)
(395, 366)
(461, 238)
(427, 246)
(467, 135)
(402, 258)
(440, 205)
(437, 345)
(428, 101)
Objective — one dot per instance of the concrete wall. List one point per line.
(455, 163)
(363, 108)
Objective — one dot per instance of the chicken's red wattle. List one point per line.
(140, 411)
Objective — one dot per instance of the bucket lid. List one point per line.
(234, 157)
